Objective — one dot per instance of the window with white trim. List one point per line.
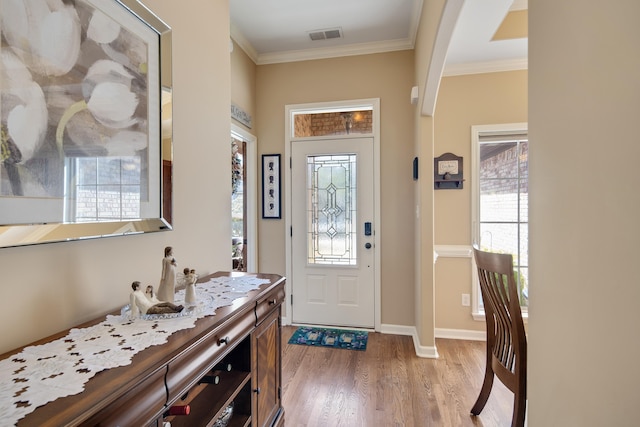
(103, 188)
(500, 200)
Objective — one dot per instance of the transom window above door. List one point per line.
(336, 122)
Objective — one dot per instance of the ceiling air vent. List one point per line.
(333, 33)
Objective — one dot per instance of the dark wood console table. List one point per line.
(232, 357)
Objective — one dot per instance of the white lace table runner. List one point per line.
(43, 373)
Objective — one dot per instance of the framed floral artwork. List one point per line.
(80, 112)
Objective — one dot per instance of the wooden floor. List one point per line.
(388, 385)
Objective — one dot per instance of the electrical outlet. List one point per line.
(466, 300)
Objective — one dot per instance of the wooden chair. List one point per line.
(506, 339)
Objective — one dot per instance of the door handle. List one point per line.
(367, 245)
(367, 229)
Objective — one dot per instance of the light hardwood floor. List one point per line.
(388, 385)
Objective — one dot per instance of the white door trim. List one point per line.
(251, 171)
(318, 107)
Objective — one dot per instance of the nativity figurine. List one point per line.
(146, 303)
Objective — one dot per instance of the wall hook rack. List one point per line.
(447, 172)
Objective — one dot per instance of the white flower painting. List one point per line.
(73, 83)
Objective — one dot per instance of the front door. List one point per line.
(333, 228)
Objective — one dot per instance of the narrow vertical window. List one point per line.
(238, 204)
(501, 200)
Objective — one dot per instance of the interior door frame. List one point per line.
(251, 196)
(290, 110)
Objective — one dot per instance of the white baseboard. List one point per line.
(397, 329)
(428, 352)
(421, 350)
(461, 334)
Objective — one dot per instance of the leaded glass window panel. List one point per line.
(331, 209)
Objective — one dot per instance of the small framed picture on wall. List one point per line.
(271, 186)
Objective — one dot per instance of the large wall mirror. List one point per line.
(86, 110)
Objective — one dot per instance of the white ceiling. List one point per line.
(471, 48)
(273, 31)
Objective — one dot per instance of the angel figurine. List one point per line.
(166, 290)
(190, 279)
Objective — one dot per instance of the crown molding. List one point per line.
(485, 67)
(243, 43)
(414, 25)
(334, 51)
(331, 51)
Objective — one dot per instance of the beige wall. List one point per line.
(465, 101)
(243, 84)
(47, 288)
(584, 104)
(386, 76)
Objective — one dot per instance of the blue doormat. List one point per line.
(334, 338)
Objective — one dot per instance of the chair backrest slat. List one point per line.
(501, 303)
(506, 338)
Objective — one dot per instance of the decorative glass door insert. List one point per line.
(331, 201)
(332, 229)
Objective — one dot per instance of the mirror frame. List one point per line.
(160, 132)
